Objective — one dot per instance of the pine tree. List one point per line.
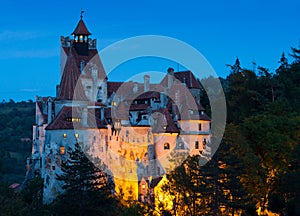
(88, 189)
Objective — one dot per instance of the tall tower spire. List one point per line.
(81, 34)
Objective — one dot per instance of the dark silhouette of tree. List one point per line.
(88, 189)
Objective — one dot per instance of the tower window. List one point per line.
(81, 38)
(166, 146)
(200, 127)
(197, 145)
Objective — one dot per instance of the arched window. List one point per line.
(166, 146)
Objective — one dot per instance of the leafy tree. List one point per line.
(192, 188)
(265, 143)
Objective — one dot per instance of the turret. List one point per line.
(81, 40)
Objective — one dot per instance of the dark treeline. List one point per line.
(255, 171)
(16, 120)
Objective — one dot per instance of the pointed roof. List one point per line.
(185, 77)
(81, 29)
(70, 85)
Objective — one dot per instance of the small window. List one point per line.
(180, 145)
(204, 142)
(196, 145)
(65, 135)
(62, 150)
(166, 146)
(99, 87)
(158, 170)
(76, 135)
(114, 103)
(53, 167)
(88, 87)
(200, 127)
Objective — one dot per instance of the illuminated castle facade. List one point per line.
(133, 128)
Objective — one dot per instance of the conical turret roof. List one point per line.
(81, 29)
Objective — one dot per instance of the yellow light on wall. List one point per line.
(65, 135)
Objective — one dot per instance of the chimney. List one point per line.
(102, 113)
(146, 83)
(84, 117)
(49, 110)
(170, 77)
(135, 88)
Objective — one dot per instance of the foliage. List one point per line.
(16, 120)
(88, 189)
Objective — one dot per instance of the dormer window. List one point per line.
(166, 146)
(180, 145)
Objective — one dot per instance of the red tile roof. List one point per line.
(148, 95)
(185, 77)
(81, 29)
(93, 58)
(60, 120)
(113, 87)
(160, 122)
(120, 112)
(70, 85)
(137, 107)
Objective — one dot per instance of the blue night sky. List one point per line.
(253, 30)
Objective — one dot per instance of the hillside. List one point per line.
(16, 120)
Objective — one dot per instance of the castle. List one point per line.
(132, 127)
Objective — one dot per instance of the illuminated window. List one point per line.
(204, 142)
(69, 119)
(166, 146)
(81, 38)
(143, 186)
(76, 135)
(114, 103)
(196, 145)
(65, 135)
(62, 150)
